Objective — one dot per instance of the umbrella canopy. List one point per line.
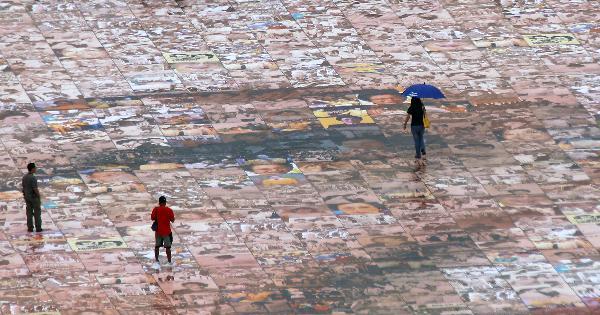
(423, 91)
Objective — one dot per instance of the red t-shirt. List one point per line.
(164, 216)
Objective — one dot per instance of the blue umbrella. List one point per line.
(423, 91)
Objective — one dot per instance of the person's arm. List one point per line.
(35, 188)
(409, 112)
(153, 215)
(172, 218)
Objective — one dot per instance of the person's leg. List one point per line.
(156, 252)
(37, 215)
(423, 142)
(157, 244)
(168, 242)
(168, 250)
(415, 133)
(29, 214)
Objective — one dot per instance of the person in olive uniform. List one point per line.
(33, 199)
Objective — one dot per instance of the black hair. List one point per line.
(415, 101)
(30, 166)
(162, 200)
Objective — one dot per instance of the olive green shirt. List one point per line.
(29, 185)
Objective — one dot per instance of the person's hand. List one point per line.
(404, 126)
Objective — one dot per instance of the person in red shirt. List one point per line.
(163, 216)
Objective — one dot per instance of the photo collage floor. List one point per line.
(275, 130)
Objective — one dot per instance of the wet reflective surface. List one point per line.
(274, 128)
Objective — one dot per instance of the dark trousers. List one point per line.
(418, 133)
(34, 212)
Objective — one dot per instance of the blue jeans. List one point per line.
(418, 133)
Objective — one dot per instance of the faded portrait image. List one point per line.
(381, 98)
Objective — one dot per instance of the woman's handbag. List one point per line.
(426, 121)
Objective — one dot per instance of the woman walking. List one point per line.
(416, 112)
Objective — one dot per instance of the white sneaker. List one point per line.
(170, 264)
(156, 265)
